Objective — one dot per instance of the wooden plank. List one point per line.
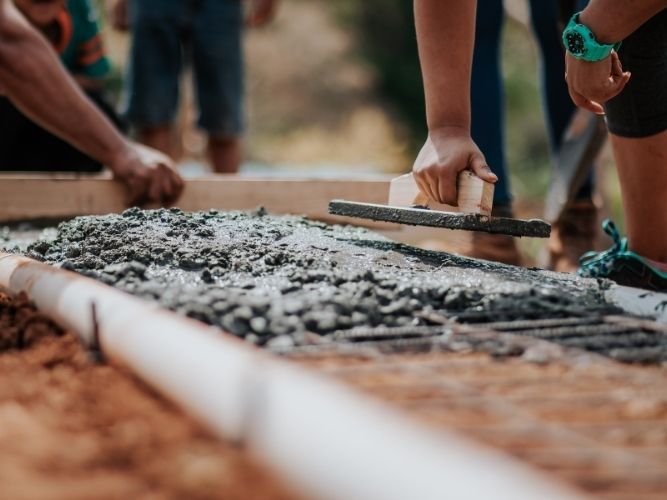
(475, 196)
(29, 197)
(25, 197)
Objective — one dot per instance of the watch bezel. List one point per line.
(591, 50)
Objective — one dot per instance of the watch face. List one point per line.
(575, 42)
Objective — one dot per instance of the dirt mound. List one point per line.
(72, 429)
(21, 325)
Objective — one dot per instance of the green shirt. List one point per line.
(80, 43)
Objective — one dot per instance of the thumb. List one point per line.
(618, 76)
(616, 66)
(481, 168)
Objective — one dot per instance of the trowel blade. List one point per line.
(534, 228)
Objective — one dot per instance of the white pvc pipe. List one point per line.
(323, 437)
(640, 302)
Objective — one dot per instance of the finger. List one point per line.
(174, 186)
(167, 184)
(616, 86)
(616, 66)
(433, 183)
(448, 189)
(422, 184)
(584, 103)
(166, 189)
(177, 183)
(479, 166)
(620, 81)
(429, 189)
(136, 192)
(155, 188)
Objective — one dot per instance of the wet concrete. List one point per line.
(282, 280)
(534, 228)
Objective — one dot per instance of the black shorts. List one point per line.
(641, 109)
(26, 147)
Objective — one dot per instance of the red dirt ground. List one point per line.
(591, 422)
(72, 429)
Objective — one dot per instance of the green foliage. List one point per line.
(386, 34)
(527, 143)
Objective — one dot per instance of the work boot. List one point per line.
(496, 247)
(572, 236)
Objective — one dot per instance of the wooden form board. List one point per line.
(24, 197)
(30, 197)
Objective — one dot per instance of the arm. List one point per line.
(446, 32)
(612, 20)
(593, 84)
(39, 86)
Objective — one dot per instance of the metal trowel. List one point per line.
(408, 205)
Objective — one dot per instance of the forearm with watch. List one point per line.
(613, 20)
(592, 39)
(595, 32)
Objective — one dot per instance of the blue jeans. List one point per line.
(167, 34)
(488, 117)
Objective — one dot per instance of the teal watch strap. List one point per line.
(581, 43)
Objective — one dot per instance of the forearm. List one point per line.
(446, 32)
(36, 82)
(614, 20)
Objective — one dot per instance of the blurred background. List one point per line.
(334, 88)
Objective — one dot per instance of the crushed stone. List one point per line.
(286, 280)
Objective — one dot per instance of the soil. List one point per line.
(598, 425)
(284, 280)
(74, 429)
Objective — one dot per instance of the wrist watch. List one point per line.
(580, 42)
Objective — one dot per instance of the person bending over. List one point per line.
(576, 231)
(633, 37)
(72, 28)
(34, 80)
(637, 118)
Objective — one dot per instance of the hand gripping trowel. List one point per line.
(407, 205)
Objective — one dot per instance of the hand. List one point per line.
(119, 15)
(148, 175)
(447, 152)
(591, 84)
(261, 12)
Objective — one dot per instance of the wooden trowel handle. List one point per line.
(475, 196)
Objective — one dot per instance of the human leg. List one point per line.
(559, 108)
(637, 120)
(218, 70)
(642, 171)
(160, 137)
(488, 127)
(575, 232)
(487, 97)
(152, 84)
(225, 154)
